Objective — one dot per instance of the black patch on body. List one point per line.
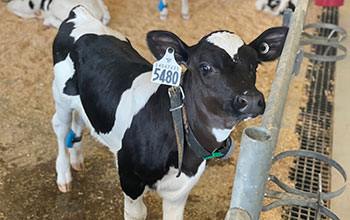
(48, 5)
(106, 68)
(150, 149)
(42, 4)
(31, 5)
(291, 5)
(63, 44)
(273, 3)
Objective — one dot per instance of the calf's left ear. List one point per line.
(270, 43)
(159, 41)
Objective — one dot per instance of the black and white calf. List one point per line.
(100, 77)
(55, 11)
(275, 7)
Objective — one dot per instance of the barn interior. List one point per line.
(28, 145)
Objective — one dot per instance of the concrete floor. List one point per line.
(341, 129)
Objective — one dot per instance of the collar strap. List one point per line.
(176, 96)
(177, 109)
(200, 151)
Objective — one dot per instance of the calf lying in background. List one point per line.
(55, 11)
(275, 7)
(100, 77)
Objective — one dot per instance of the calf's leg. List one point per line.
(134, 209)
(175, 190)
(76, 152)
(185, 10)
(164, 12)
(61, 123)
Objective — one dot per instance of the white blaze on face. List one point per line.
(227, 41)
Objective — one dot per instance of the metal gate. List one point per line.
(311, 193)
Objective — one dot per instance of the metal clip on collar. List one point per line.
(174, 90)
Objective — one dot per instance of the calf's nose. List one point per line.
(251, 102)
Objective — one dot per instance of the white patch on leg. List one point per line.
(175, 191)
(134, 209)
(221, 134)
(61, 124)
(227, 41)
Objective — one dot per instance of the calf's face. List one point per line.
(24, 8)
(223, 69)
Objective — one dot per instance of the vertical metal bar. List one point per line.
(253, 167)
(258, 143)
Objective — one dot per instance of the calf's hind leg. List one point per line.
(61, 123)
(76, 152)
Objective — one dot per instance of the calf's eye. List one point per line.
(264, 48)
(205, 68)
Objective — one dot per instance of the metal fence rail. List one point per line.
(258, 143)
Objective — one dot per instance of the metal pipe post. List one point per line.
(258, 143)
(253, 164)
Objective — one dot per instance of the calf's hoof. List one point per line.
(186, 16)
(78, 166)
(163, 17)
(46, 27)
(65, 187)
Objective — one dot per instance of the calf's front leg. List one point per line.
(134, 209)
(175, 190)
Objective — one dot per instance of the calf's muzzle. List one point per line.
(250, 102)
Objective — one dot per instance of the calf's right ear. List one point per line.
(159, 41)
(270, 43)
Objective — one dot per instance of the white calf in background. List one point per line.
(163, 8)
(275, 7)
(55, 11)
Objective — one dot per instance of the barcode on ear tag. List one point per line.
(166, 71)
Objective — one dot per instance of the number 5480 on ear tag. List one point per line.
(166, 70)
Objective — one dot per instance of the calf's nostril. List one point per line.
(260, 103)
(241, 102)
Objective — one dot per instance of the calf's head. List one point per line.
(25, 8)
(219, 82)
